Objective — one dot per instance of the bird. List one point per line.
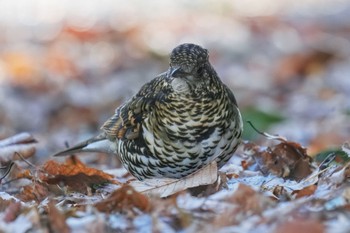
(177, 123)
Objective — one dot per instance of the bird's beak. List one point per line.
(173, 71)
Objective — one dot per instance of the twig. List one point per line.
(328, 160)
(8, 169)
(25, 160)
(269, 136)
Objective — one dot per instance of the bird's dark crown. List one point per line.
(188, 57)
(191, 73)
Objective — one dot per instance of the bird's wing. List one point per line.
(128, 118)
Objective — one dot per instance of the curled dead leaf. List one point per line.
(166, 187)
(74, 174)
(286, 159)
(280, 193)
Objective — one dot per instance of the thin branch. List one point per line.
(25, 160)
(269, 136)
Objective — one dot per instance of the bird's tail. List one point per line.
(96, 144)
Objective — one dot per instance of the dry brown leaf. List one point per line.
(307, 191)
(124, 198)
(25, 174)
(166, 187)
(280, 193)
(248, 199)
(300, 226)
(22, 143)
(57, 219)
(4, 203)
(208, 189)
(244, 164)
(74, 174)
(286, 159)
(36, 192)
(12, 211)
(243, 202)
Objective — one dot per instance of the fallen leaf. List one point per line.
(208, 189)
(22, 138)
(34, 192)
(166, 187)
(300, 226)
(307, 191)
(244, 202)
(74, 174)
(25, 174)
(124, 198)
(249, 199)
(4, 203)
(244, 164)
(57, 219)
(286, 159)
(280, 193)
(12, 211)
(22, 143)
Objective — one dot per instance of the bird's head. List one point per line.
(189, 68)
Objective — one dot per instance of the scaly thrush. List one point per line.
(177, 123)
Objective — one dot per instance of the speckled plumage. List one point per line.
(177, 123)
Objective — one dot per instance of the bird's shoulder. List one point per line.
(127, 121)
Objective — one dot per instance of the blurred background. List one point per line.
(66, 65)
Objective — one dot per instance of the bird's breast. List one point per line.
(185, 128)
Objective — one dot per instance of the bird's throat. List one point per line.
(180, 85)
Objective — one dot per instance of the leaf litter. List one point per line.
(254, 194)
